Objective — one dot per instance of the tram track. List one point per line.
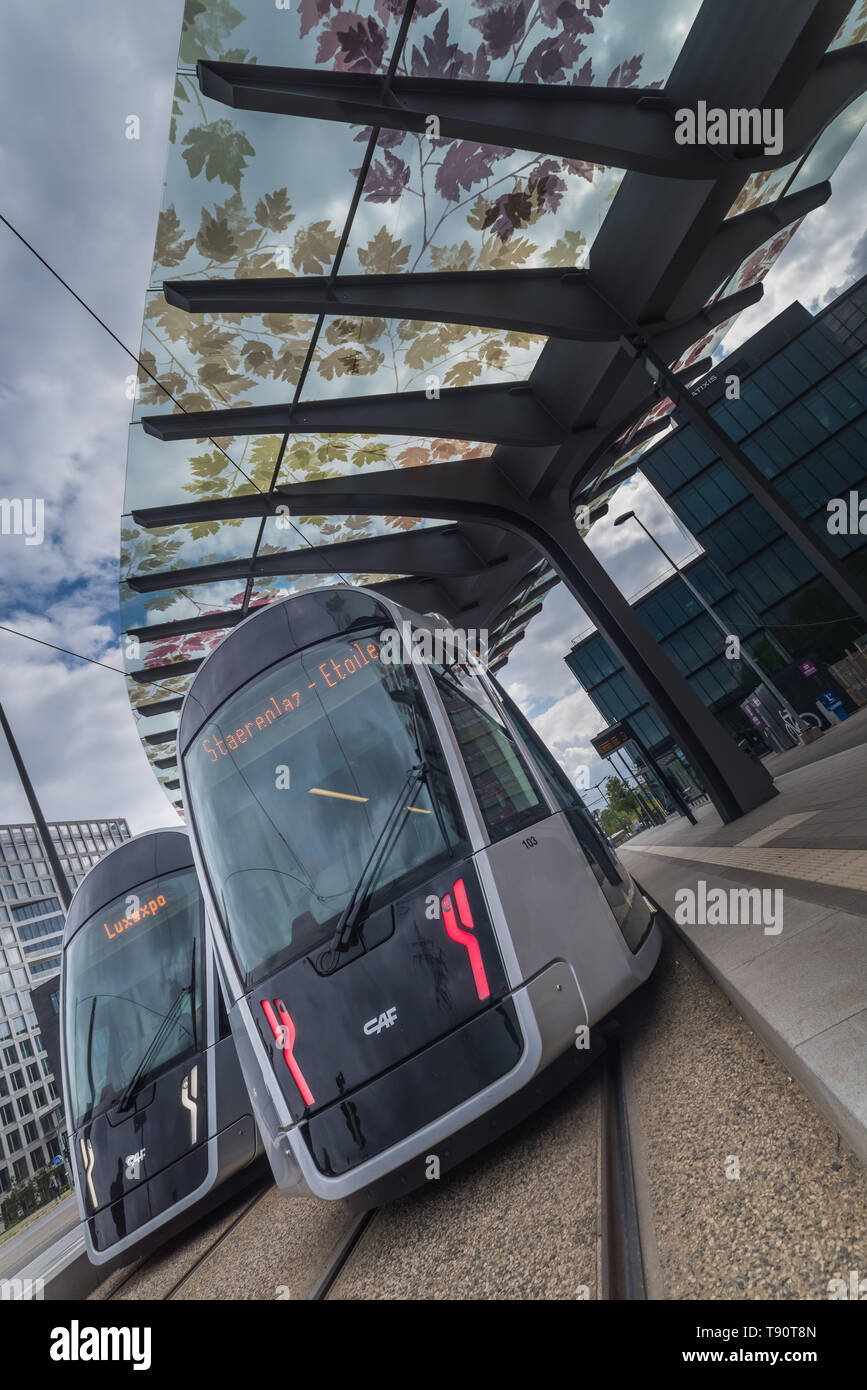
(621, 1265)
(342, 1255)
(206, 1255)
(142, 1267)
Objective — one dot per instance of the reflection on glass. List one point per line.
(291, 783)
(117, 1001)
(507, 798)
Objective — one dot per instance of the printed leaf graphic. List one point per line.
(274, 211)
(568, 251)
(312, 11)
(503, 26)
(345, 331)
(384, 254)
(206, 29)
(452, 257)
(464, 165)
(314, 248)
(171, 247)
(463, 373)
(626, 73)
(350, 361)
(386, 180)
(440, 58)
(220, 150)
(215, 239)
(358, 44)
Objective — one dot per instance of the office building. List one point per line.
(31, 933)
(801, 417)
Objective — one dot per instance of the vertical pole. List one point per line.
(735, 783)
(36, 811)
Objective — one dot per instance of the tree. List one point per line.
(622, 809)
(621, 799)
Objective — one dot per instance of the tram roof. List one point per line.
(346, 307)
(139, 859)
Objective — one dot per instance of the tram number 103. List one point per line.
(530, 843)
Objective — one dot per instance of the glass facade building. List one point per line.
(31, 933)
(801, 417)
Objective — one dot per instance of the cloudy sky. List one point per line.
(87, 199)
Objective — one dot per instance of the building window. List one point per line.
(24, 1106)
(17, 1080)
(31, 1133)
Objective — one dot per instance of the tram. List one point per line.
(415, 916)
(155, 1101)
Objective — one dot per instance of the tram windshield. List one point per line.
(290, 785)
(133, 992)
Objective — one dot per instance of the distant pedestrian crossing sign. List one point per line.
(57, 1160)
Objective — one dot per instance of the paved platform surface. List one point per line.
(793, 959)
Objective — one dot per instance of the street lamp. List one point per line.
(750, 661)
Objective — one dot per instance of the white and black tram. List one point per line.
(413, 912)
(156, 1105)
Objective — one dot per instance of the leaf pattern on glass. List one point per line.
(854, 28)
(427, 204)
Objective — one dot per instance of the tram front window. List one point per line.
(290, 784)
(132, 992)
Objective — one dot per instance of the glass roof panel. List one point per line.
(283, 585)
(612, 43)
(213, 361)
(458, 205)
(337, 455)
(854, 28)
(181, 547)
(183, 470)
(248, 193)
(288, 34)
(189, 646)
(177, 602)
(832, 146)
(311, 531)
(762, 188)
(372, 356)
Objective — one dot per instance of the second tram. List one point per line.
(155, 1100)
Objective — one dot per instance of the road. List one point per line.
(19, 1250)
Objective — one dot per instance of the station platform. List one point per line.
(796, 969)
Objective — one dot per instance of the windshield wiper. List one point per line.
(381, 848)
(403, 697)
(156, 1042)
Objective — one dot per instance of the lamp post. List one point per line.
(750, 661)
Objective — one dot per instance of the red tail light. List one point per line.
(283, 1028)
(469, 942)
